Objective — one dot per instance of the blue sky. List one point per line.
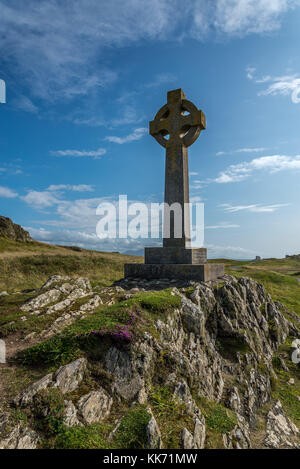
(84, 78)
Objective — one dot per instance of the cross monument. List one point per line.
(176, 126)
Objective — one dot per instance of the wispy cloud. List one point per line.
(232, 252)
(25, 104)
(137, 134)
(69, 187)
(285, 85)
(223, 225)
(249, 16)
(7, 192)
(288, 85)
(242, 150)
(257, 208)
(55, 48)
(272, 164)
(158, 80)
(80, 153)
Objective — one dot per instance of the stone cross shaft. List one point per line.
(176, 126)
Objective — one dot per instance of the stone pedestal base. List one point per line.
(200, 272)
(175, 255)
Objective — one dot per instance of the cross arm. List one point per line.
(197, 118)
(156, 126)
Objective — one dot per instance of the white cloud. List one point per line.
(87, 240)
(74, 222)
(250, 150)
(69, 187)
(7, 193)
(240, 17)
(137, 134)
(257, 208)
(242, 150)
(272, 164)
(80, 153)
(41, 199)
(250, 72)
(286, 85)
(56, 48)
(193, 173)
(222, 225)
(231, 252)
(195, 199)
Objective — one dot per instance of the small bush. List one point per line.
(90, 437)
(48, 409)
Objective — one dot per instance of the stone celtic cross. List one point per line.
(176, 126)
(181, 122)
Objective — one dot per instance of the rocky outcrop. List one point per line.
(20, 438)
(216, 345)
(16, 437)
(281, 431)
(67, 378)
(10, 230)
(73, 290)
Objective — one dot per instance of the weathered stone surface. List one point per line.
(281, 431)
(26, 396)
(92, 304)
(200, 272)
(20, 438)
(175, 255)
(68, 377)
(197, 440)
(74, 289)
(154, 440)
(199, 433)
(239, 437)
(70, 415)
(55, 279)
(10, 230)
(42, 300)
(187, 439)
(94, 406)
(129, 369)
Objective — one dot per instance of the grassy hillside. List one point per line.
(120, 317)
(28, 265)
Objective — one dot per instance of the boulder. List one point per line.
(94, 406)
(26, 396)
(68, 377)
(281, 431)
